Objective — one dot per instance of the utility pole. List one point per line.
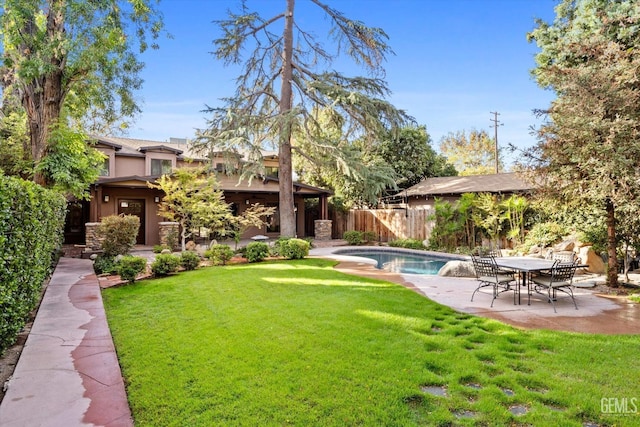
(496, 123)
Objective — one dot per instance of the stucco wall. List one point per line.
(129, 166)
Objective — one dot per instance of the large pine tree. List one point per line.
(285, 79)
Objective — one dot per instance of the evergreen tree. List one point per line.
(281, 85)
(589, 149)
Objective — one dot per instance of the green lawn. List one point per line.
(298, 343)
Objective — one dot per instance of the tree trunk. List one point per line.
(43, 97)
(285, 173)
(612, 268)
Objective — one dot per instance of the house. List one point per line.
(450, 188)
(131, 164)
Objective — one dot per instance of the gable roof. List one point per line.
(454, 185)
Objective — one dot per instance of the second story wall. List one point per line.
(129, 166)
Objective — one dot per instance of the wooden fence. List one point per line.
(388, 224)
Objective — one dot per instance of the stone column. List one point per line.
(92, 241)
(322, 229)
(169, 234)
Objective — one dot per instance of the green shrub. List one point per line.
(370, 236)
(543, 234)
(276, 249)
(408, 244)
(104, 264)
(118, 234)
(159, 248)
(219, 254)
(257, 251)
(165, 264)
(353, 237)
(189, 260)
(130, 266)
(31, 230)
(295, 249)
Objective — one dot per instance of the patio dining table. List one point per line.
(525, 266)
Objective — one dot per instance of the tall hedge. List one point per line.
(31, 230)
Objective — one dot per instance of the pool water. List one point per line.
(396, 262)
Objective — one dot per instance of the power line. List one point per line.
(496, 123)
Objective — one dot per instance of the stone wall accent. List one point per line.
(92, 241)
(322, 229)
(168, 231)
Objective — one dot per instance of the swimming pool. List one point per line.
(398, 261)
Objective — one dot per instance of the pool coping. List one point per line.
(341, 253)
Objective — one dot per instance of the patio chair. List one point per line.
(559, 279)
(564, 257)
(495, 253)
(489, 274)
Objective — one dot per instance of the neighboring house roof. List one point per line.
(450, 185)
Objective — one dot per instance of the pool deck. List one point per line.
(596, 313)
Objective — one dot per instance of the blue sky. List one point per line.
(455, 62)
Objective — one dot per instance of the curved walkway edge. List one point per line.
(68, 373)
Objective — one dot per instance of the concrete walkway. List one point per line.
(68, 373)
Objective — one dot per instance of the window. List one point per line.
(104, 169)
(271, 171)
(160, 167)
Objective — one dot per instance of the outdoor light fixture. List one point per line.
(246, 202)
(105, 198)
(156, 199)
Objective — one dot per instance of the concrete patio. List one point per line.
(597, 313)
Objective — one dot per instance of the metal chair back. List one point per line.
(564, 257)
(562, 273)
(481, 266)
